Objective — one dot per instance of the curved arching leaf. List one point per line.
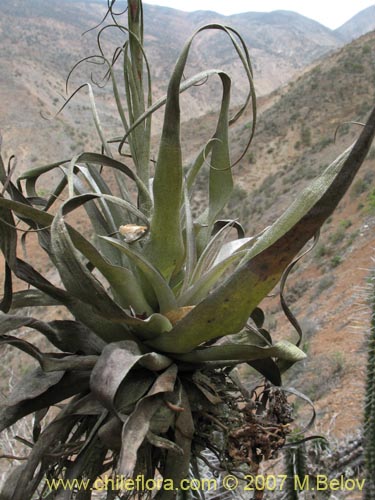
(70, 384)
(33, 384)
(78, 281)
(115, 363)
(242, 352)
(51, 362)
(67, 336)
(165, 248)
(227, 309)
(125, 286)
(32, 298)
(138, 424)
(177, 466)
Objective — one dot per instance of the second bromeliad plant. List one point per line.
(158, 323)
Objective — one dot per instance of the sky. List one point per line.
(331, 13)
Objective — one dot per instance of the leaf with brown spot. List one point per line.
(267, 259)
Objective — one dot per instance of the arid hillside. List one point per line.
(358, 25)
(40, 41)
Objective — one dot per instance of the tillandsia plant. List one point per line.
(144, 377)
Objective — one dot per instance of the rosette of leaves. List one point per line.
(157, 322)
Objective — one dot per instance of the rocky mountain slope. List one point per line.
(40, 41)
(358, 25)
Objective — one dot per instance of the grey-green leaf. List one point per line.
(227, 309)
